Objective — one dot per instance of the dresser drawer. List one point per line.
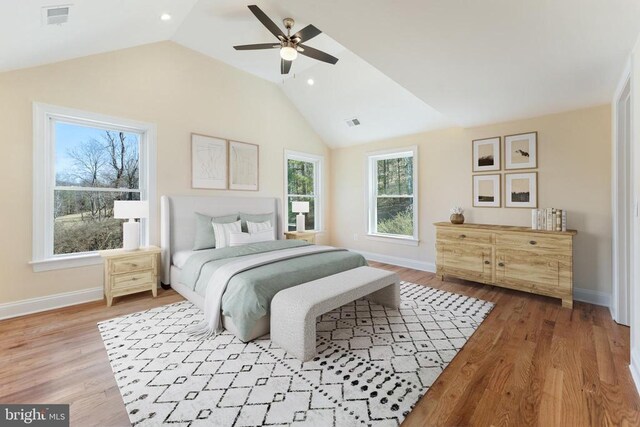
(132, 280)
(134, 263)
(466, 236)
(543, 242)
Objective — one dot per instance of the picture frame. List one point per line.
(521, 190)
(486, 191)
(486, 154)
(521, 151)
(209, 163)
(244, 166)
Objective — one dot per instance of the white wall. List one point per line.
(179, 90)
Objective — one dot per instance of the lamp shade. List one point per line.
(300, 207)
(127, 209)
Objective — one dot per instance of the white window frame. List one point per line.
(44, 153)
(318, 162)
(372, 192)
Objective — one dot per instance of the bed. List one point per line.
(246, 300)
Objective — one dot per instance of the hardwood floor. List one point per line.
(531, 362)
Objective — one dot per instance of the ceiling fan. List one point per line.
(290, 45)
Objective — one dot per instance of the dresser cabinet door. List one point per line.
(529, 271)
(472, 262)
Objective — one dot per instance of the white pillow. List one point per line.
(222, 232)
(239, 238)
(254, 227)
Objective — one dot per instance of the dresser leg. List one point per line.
(567, 302)
(109, 301)
(154, 290)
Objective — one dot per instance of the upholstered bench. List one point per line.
(294, 310)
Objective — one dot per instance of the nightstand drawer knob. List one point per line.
(532, 242)
(487, 262)
(462, 236)
(501, 264)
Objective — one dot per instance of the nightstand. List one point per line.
(307, 236)
(129, 272)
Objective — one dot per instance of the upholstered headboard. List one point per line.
(177, 219)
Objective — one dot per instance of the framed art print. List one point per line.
(243, 166)
(208, 162)
(486, 154)
(521, 151)
(486, 191)
(521, 190)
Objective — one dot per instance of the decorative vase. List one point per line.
(457, 219)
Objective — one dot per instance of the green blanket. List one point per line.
(248, 295)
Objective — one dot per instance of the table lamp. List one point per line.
(125, 209)
(300, 208)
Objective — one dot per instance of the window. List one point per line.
(82, 164)
(392, 195)
(302, 184)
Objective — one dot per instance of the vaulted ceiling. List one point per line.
(404, 67)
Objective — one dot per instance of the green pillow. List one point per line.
(205, 238)
(244, 217)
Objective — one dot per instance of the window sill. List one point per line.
(62, 262)
(409, 241)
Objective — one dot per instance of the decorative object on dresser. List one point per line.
(208, 162)
(521, 190)
(131, 210)
(300, 208)
(307, 236)
(457, 215)
(520, 151)
(129, 272)
(549, 219)
(539, 262)
(486, 154)
(486, 191)
(243, 166)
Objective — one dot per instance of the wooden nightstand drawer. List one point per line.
(132, 280)
(134, 263)
(466, 236)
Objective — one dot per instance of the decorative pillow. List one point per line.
(254, 227)
(244, 217)
(222, 232)
(239, 239)
(205, 238)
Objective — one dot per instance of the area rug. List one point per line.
(373, 365)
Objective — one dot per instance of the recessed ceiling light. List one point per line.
(165, 17)
(310, 82)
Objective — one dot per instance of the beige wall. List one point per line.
(574, 173)
(179, 90)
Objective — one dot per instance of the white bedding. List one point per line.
(181, 257)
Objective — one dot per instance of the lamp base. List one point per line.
(131, 236)
(300, 220)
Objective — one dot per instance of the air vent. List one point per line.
(55, 15)
(353, 122)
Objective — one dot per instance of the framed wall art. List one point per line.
(208, 162)
(486, 154)
(521, 151)
(486, 191)
(521, 190)
(243, 166)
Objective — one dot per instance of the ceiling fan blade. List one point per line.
(266, 21)
(256, 46)
(285, 66)
(317, 54)
(307, 33)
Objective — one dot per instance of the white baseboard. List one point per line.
(50, 302)
(592, 297)
(635, 367)
(579, 294)
(400, 262)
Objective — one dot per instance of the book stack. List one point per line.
(549, 219)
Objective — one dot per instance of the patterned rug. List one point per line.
(373, 365)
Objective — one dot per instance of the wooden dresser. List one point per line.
(540, 262)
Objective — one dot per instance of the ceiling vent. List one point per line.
(353, 122)
(55, 15)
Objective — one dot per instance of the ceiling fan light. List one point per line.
(288, 53)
